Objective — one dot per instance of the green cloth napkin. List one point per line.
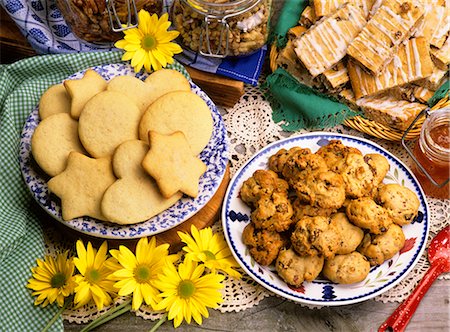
(21, 234)
(297, 106)
(288, 18)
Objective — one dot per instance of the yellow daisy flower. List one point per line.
(187, 293)
(52, 279)
(149, 45)
(210, 249)
(138, 273)
(93, 282)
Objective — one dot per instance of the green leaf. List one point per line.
(396, 173)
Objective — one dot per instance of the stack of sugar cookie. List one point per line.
(384, 57)
(122, 150)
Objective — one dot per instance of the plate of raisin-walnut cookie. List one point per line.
(325, 219)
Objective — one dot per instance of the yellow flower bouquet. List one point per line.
(182, 285)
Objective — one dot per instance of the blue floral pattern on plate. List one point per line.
(215, 156)
(321, 292)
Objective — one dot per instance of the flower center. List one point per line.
(209, 255)
(93, 276)
(142, 274)
(58, 280)
(148, 42)
(186, 289)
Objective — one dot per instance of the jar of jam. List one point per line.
(432, 155)
(99, 21)
(221, 28)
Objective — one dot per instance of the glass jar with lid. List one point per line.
(220, 28)
(99, 21)
(431, 154)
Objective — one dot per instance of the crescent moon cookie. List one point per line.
(81, 186)
(172, 164)
(182, 111)
(54, 138)
(135, 196)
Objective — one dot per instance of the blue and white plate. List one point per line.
(215, 156)
(321, 292)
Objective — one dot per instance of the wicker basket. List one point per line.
(371, 127)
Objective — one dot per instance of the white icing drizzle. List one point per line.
(396, 108)
(417, 63)
(373, 52)
(251, 22)
(326, 43)
(406, 66)
(408, 62)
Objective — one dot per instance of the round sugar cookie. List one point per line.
(54, 138)
(135, 196)
(179, 111)
(164, 81)
(107, 120)
(54, 100)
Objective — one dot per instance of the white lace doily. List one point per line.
(250, 128)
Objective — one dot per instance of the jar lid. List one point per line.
(221, 8)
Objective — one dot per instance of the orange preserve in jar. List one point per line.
(432, 151)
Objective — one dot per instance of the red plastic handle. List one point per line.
(402, 315)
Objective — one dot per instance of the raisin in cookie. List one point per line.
(379, 166)
(295, 269)
(262, 182)
(346, 269)
(321, 189)
(365, 213)
(273, 212)
(301, 210)
(401, 203)
(379, 248)
(278, 160)
(357, 176)
(299, 166)
(335, 153)
(315, 236)
(264, 245)
(350, 236)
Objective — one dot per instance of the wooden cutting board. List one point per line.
(205, 217)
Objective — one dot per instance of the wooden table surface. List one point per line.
(273, 313)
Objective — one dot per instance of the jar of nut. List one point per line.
(220, 28)
(100, 21)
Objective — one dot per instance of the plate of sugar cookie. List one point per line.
(122, 155)
(325, 219)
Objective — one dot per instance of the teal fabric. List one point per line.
(440, 93)
(21, 233)
(297, 106)
(288, 18)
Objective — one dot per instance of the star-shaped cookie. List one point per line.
(81, 186)
(81, 90)
(172, 164)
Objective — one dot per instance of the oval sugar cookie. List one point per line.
(179, 111)
(107, 120)
(135, 196)
(54, 100)
(54, 138)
